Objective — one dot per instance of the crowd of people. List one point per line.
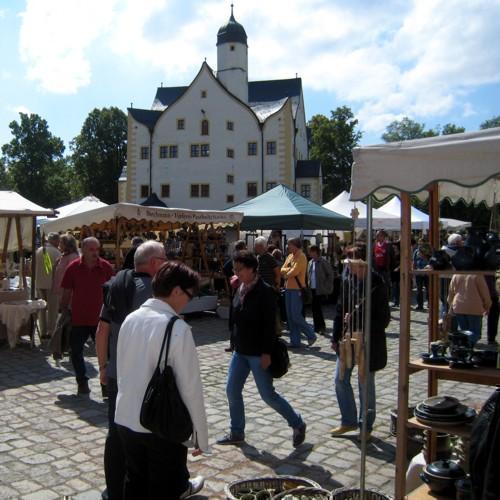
(126, 315)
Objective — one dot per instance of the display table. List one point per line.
(16, 314)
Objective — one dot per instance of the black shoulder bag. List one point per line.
(162, 411)
(280, 361)
(306, 292)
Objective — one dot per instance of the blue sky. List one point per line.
(436, 61)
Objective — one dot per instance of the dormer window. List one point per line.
(203, 94)
(231, 48)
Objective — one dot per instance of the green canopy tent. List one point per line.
(282, 208)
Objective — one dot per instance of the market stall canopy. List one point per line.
(83, 205)
(153, 201)
(282, 208)
(381, 220)
(419, 219)
(466, 166)
(13, 206)
(133, 212)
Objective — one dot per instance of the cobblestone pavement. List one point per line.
(51, 442)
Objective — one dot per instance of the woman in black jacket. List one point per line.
(254, 318)
(350, 316)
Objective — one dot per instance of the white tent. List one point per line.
(465, 166)
(16, 220)
(381, 220)
(83, 205)
(131, 211)
(419, 219)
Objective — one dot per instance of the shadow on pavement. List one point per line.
(88, 410)
(293, 464)
(380, 449)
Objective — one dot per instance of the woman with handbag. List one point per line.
(294, 272)
(155, 466)
(254, 316)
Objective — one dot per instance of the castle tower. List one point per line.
(232, 58)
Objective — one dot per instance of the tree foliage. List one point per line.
(332, 141)
(99, 152)
(491, 123)
(406, 129)
(34, 162)
(451, 128)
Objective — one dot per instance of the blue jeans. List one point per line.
(347, 404)
(239, 369)
(296, 322)
(472, 323)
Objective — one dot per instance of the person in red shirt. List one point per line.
(382, 257)
(82, 285)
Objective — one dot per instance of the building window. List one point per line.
(252, 149)
(251, 189)
(230, 178)
(271, 147)
(305, 190)
(173, 151)
(204, 127)
(205, 150)
(200, 190)
(203, 94)
(230, 198)
(195, 150)
(231, 48)
(270, 185)
(144, 190)
(163, 151)
(230, 153)
(165, 190)
(180, 124)
(195, 190)
(229, 125)
(205, 190)
(144, 153)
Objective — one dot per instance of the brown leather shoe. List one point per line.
(342, 429)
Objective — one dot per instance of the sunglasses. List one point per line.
(189, 294)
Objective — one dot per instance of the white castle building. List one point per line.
(222, 139)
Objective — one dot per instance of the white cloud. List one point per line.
(386, 60)
(19, 109)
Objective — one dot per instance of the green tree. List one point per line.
(99, 152)
(451, 128)
(492, 122)
(31, 159)
(5, 183)
(332, 141)
(406, 129)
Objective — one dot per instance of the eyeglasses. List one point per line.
(189, 294)
(164, 259)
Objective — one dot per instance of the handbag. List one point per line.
(162, 411)
(306, 292)
(280, 361)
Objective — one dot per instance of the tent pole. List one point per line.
(404, 346)
(33, 259)
(367, 340)
(6, 241)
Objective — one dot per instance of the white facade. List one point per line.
(210, 148)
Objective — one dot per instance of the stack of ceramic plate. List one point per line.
(443, 410)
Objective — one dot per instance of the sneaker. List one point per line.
(299, 434)
(311, 342)
(195, 485)
(83, 388)
(231, 438)
(342, 429)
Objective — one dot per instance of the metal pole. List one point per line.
(367, 335)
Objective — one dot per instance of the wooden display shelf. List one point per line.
(423, 493)
(456, 430)
(480, 375)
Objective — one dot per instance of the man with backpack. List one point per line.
(124, 293)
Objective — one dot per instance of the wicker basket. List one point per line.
(310, 493)
(277, 483)
(355, 494)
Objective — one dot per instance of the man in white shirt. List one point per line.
(46, 259)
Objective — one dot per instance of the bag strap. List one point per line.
(166, 338)
(298, 282)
